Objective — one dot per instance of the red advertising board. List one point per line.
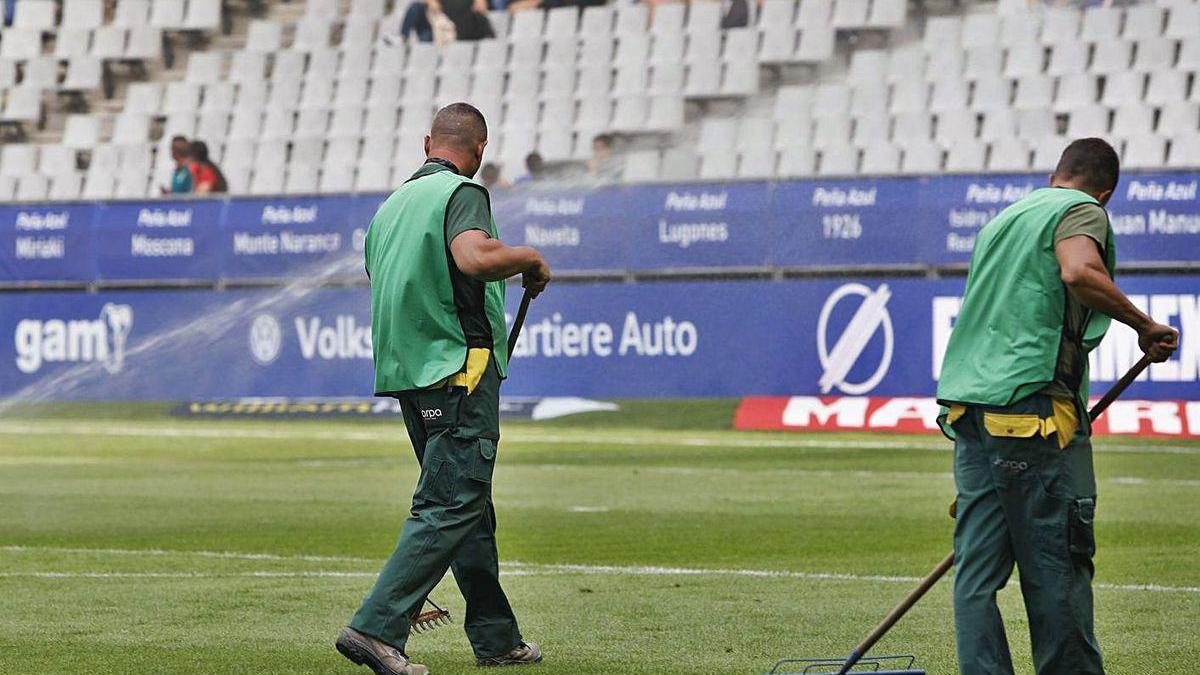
(1171, 419)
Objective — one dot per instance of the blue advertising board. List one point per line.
(1156, 217)
(955, 208)
(897, 221)
(699, 226)
(649, 339)
(47, 242)
(158, 240)
(574, 230)
(850, 222)
(278, 238)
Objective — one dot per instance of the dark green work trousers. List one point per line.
(452, 524)
(1023, 500)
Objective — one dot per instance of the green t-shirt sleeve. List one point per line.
(1089, 220)
(467, 210)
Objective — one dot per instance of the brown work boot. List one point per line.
(379, 656)
(523, 654)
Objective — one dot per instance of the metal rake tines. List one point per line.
(427, 621)
(896, 664)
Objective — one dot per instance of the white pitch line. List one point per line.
(260, 574)
(631, 438)
(181, 575)
(155, 552)
(512, 568)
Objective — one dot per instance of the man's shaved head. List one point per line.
(1090, 165)
(460, 126)
(458, 134)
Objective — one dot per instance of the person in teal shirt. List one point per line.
(1014, 382)
(440, 347)
(182, 180)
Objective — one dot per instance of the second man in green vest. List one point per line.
(1039, 297)
(437, 276)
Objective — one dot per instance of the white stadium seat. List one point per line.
(1101, 23)
(36, 15)
(167, 14)
(922, 158)
(83, 14)
(203, 15)
(23, 104)
(1009, 154)
(72, 42)
(204, 67)
(130, 13)
(264, 36)
(32, 188)
(83, 74)
(1184, 152)
(880, 159)
(21, 43)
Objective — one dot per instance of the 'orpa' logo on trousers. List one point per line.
(870, 316)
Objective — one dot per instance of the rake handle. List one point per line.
(944, 566)
(896, 614)
(519, 322)
(1119, 388)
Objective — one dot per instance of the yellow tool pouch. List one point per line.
(1064, 421)
(477, 362)
(469, 377)
(955, 413)
(1001, 425)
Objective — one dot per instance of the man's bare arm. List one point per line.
(1086, 277)
(486, 259)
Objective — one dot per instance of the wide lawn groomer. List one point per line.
(437, 318)
(1039, 298)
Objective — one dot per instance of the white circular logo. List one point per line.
(838, 362)
(265, 339)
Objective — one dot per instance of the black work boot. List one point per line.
(523, 654)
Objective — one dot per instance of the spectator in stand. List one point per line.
(206, 175)
(469, 17)
(602, 165)
(446, 20)
(737, 14)
(489, 175)
(182, 180)
(535, 168)
(416, 20)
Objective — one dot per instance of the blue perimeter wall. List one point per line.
(885, 221)
(644, 339)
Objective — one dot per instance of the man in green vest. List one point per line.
(438, 331)
(1039, 298)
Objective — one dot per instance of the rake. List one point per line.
(427, 621)
(857, 661)
(430, 619)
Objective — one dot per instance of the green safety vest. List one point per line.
(1005, 342)
(416, 335)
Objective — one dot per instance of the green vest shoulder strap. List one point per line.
(1005, 342)
(417, 338)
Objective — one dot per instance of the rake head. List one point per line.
(900, 664)
(428, 620)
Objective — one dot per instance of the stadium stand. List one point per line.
(325, 97)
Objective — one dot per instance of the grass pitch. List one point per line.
(647, 541)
